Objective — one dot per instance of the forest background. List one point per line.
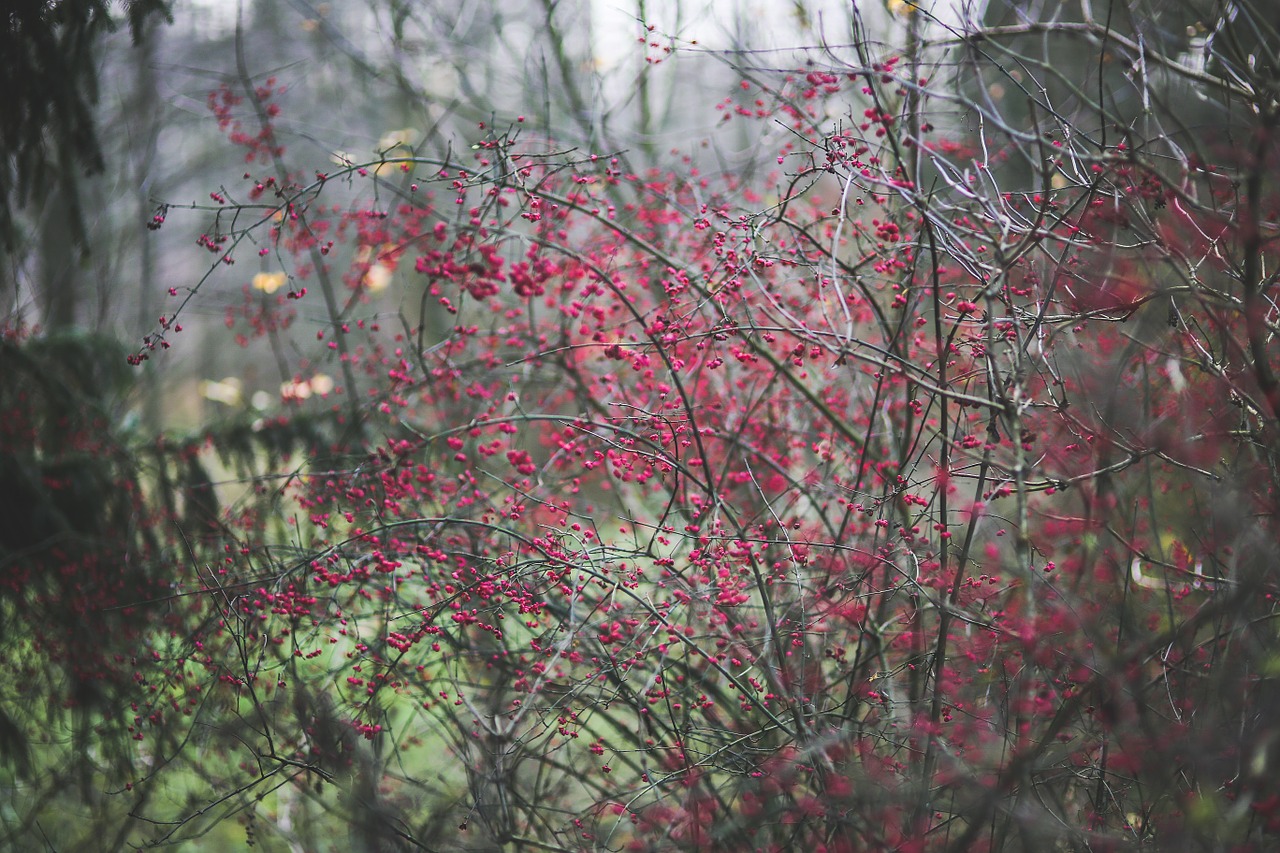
(572, 425)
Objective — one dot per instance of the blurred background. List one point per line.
(352, 80)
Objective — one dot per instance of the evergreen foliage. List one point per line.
(48, 86)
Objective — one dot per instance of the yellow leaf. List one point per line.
(322, 384)
(377, 278)
(269, 282)
(226, 391)
(405, 137)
